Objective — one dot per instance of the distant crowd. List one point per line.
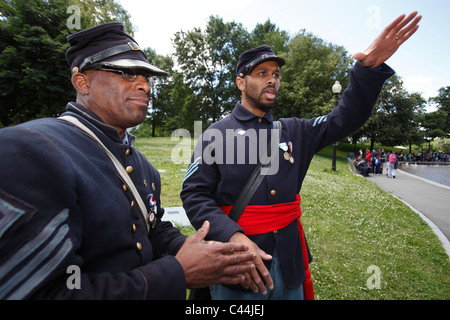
(374, 161)
(424, 156)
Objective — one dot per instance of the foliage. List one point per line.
(312, 67)
(437, 123)
(394, 119)
(207, 60)
(268, 33)
(94, 12)
(160, 92)
(34, 78)
(34, 81)
(34, 74)
(441, 145)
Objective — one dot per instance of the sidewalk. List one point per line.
(430, 199)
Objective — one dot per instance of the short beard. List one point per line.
(261, 105)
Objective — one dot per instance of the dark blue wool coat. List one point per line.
(211, 181)
(62, 204)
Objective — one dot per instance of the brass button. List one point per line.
(139, 246)
(275, 231)
(127, 152)
(124, 187)
(129, 169)
(273, 192)
(134, 227)
(132, 203)
(260, 119)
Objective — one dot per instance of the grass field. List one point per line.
(366, 244)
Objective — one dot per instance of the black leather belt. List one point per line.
(130, 46)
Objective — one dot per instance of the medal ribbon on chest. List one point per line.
(287, 148)
(153, 210)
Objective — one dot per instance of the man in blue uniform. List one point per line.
(70, 226)
(270, 224)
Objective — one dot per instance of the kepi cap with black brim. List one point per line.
(249, 59)
(107, 45)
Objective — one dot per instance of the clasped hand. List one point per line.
(207, 263)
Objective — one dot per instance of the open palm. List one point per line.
(392, 37)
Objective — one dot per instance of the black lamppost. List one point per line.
(336, 90)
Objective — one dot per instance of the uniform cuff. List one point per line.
(164, 279)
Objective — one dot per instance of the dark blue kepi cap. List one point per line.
(106, 45)
(253, 57)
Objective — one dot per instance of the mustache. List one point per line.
(270, 87)
(142, 96)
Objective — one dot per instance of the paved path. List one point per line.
(428, 198)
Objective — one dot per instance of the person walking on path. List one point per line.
(391, 164)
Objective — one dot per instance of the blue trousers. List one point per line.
(280, 292)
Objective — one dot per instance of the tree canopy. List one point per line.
(35, 77)
(34, 73)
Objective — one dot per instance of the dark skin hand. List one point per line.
(267, 75)
(123, 104)
(208, 262)
(387, 43)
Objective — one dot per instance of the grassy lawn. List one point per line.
(358, 234)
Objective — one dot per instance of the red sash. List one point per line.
(264, 219)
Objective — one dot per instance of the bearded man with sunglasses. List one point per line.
(80, 209)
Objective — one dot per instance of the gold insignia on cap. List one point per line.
(134, 46)
(75, 70)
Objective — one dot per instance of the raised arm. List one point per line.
(387, 43)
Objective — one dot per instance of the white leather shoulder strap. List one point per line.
(120, 169)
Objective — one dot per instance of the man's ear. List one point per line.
(80, 82)
(240, 82)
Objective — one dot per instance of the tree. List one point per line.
(394, 119)
(312, 67)
(208, 60)
(183, 108)
(269, 34)
(173, 103)
(160, 93)
(433, 125)
(443, 104)
(34, 74)
(95, 12)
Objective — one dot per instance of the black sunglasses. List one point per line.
(128, 74)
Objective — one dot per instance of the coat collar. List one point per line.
(242, 114)
(98, 123)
